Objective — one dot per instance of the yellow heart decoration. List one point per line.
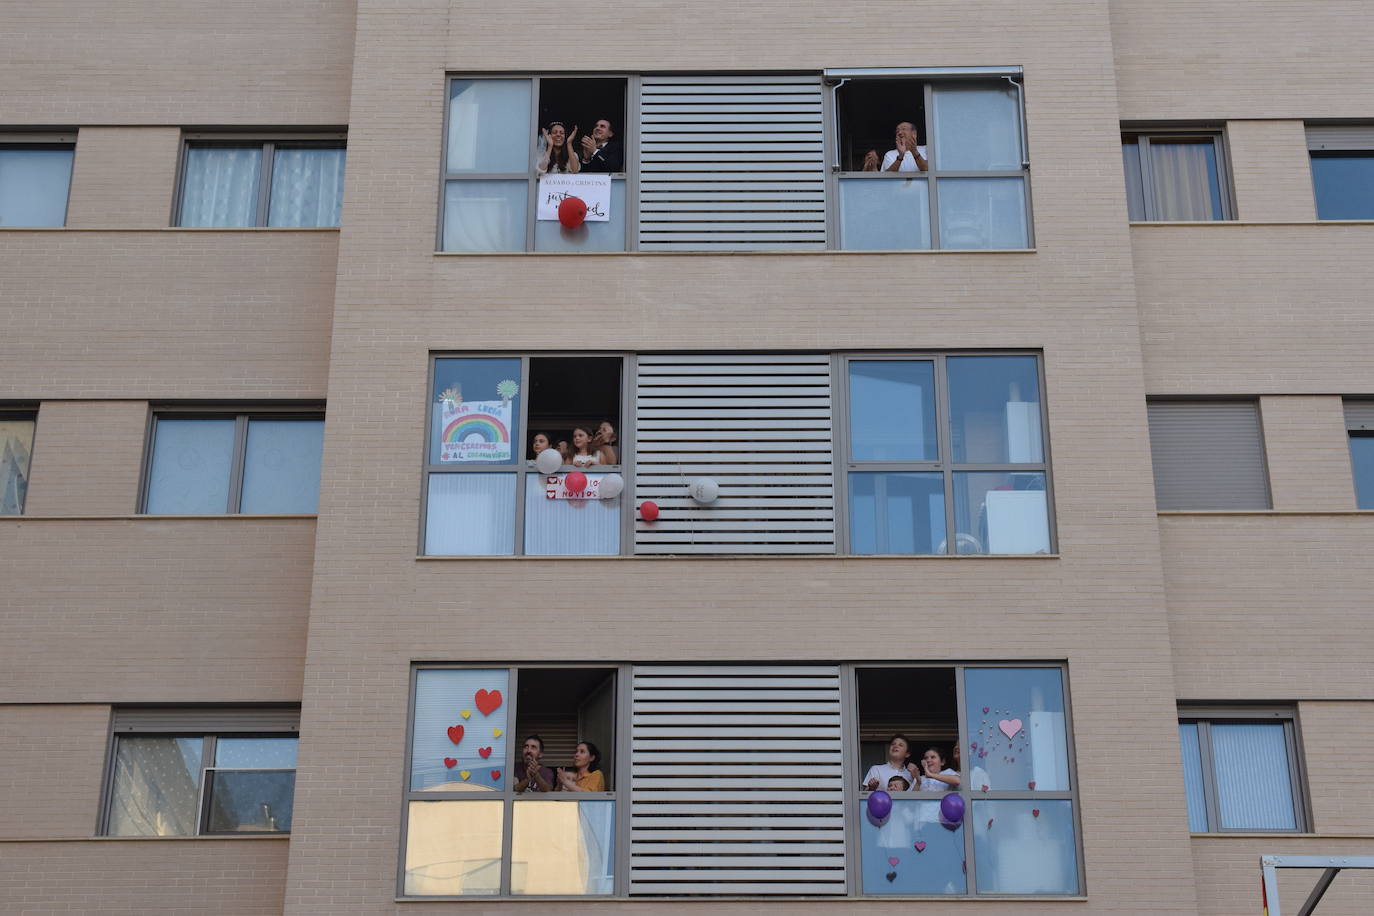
(465, 773)
(496, 733)
(466, 713)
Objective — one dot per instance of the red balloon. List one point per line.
(576, 482)
(572, 211)
(648, 510)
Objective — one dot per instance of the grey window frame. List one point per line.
(206, 723)
(1225, 182)
(1359, 424)
(45, 140)
(629, 140)
(1204, 716)
(522, 468)
(22, 414)
(241, 417)
(929, 77)
(332, 138)
(1337, 139)
(851, 768)
(945, 463)
(508, 796)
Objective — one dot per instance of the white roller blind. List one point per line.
(1359, 415)
(759, 425)
(736, 782)
(207, 719)
(731, 163)
(1344, 137)
(1208, 456)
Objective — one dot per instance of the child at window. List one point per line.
(935, 776)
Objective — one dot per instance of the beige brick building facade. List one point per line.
(122, 314)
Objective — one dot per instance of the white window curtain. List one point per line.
(1254, 787)
(155, 786)
(471, 515)
(1183, 176)
(307, 187)
(221, 187)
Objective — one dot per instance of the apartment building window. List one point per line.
(1242, 770)
(1208, 455)
(197, 772)
(1342, 170)
(737, 780)
(1359, 422)
(510, 151)
(35, 179)
(963, 166)
(16, 451)
(262, 462)
(282, 181)
(1176, 175)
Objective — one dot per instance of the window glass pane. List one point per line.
(884, 214)
(892, 411)
(1016, 730)
(896, 513)
(911, 852)
(1192, 777)
(563, 847)
(476, 404)
(1025, 847)
(994, 406)
(485, 215)
(221, 187)
(263, 753)
(307, 187)
(191, 467)
(1135, 186)
(453, 848)
(470, 515)
(16, 444)
(1254, 788)
(1362, 463)
(155, 782)
(566, 527)
(489, 126)
(978, 213)
(977, 128)
(549, 235)
(1344, 185)
(997, 512)
(34, 185)
(281, 470)
(1184, 175)
(458, 714)
(246, 801)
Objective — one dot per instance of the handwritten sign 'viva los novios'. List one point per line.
(595, 191)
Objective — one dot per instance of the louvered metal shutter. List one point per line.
(1208, 456)
(736, 784)
(1353, 137)
(731, 163)
(757, 424)
(1359, 415)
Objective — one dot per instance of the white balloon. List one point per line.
(704, 490)
(611, 486)
(548, 461)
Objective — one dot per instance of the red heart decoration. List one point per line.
(985, 788)
(990, 820)
(455, 733)
(920, 845)
(1035, 812)
(487, 701)
(484, 752)
(1031, 785)
(450, 762)
(495, 775)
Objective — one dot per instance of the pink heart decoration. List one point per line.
(920, 845)
(893, 860)
(1031, 785)
(985, 787)
(990, 820)
(985, 710)
(1010, 727)
(1035, 812)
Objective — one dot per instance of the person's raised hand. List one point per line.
(588, 146)
(871, 161)
(872, 784)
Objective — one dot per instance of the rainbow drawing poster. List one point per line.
(475, 431)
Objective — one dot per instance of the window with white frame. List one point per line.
(1175, 175)
(1242, 770)
(670, 780)
(280, 181)
(16, 451)
(216, 463)
(195, 772)
(35, 178)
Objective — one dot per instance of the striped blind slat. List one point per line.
(207, 719)
(1208, 456)
(1359, 415)
(718, 815)
(731, 163)
(760, 427)
(1342, 137)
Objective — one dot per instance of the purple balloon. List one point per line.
(879, 805)
(952, 809)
